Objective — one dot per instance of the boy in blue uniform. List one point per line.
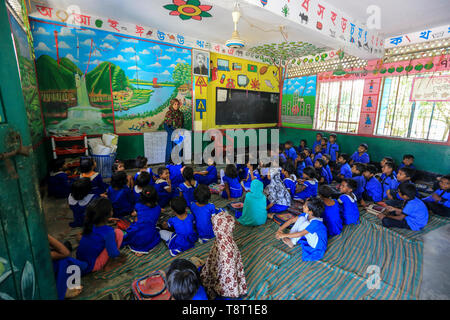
(299, 164)
(324, 145)
(58, 181)
(302, 146)
(308, 186)
(408, 162)
(414, 214)
(360, 155)
(327, 158)
(317, 153)
(439, 201)
(163, 187)
(282, 154)
(333, 149)
(184, 237)
(372, 191)
(203, 211)
(388, 179)
(308, 230)
(357, 170)
(291, 153)
(321, 172)
(403, 175)
(348, 202)
(331, 215)
(345, 170)
(318, 141)
(308, 160)
(121, 197)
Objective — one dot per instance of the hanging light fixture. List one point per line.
(235, 42)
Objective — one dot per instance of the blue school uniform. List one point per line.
(349, 209)
(315, 244)
(235, 187)
(444, 194)
(291, 185)
(327, 167)
(308, 162)
(324, 173)
(93, 244)
(282, 158)
(364, 158)
(315, 144)
(209, 178)
(388, 183)
(98, 186)
(291, 153)
(78, 208)
(163, 196)
(332, 220)
(58, 185)
(200, 294)
(142, 235)
(122, 200)
(317, 156)
(203, 222)
(241, 171)
(150, 172)
(373, 190)
(60, 267)
(248, 178)
(310, 190)
(188, 192)
(416, 214)
(300, 167)
(331, 150)
(402, 165)
(176, 178)
(184, 236)
(360, 186)
(346, 171)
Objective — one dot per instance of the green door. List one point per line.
(26, 270)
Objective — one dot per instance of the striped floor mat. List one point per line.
(274, 271)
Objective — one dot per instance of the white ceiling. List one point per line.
(397, 17)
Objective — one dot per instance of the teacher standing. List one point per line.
(172, 121)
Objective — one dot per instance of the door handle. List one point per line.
(14, 138)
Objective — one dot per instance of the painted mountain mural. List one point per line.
(94, 81)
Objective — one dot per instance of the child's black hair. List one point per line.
(57, 164)
(202, 194)
(289, 167)
(317, 146)
(364, 145)
(188, 173)
(281, 147)
(179, 205)
(408, 172)
(98, 211)
(119, 180)
(359, 166)
(321, 162)
(81, 188)
(289, 143)
(183, 279)
(304, 140)
(310, 172)
(390, 159)
(141, 162)
(327, 156)
(352, 184)
(143, 179)
(319, 134)
(407, 189)
(86, 164)
(325, 139)
(116, 165)
(371, 168)
(149, 196)
(334, 135)
(325, 191)
(316, 205)
(161, 170)
(344, 156)
(303, 155)
(389, 164)
(446, 177)
(307, 149)
(408, 156)
(231, 171)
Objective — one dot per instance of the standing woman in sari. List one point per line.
(172, 121)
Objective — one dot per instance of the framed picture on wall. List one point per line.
(200, 63)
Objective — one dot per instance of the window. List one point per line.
(339, 106)
(400, 117)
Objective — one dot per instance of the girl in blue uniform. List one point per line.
(233, 188)
(290, 180)
(208, 176)
(360, 155)
(99, 241)
(184, 237)
(318, 140)
(142, 235)
(357, 170)
(142, 181)
(203, 210)
(439, 201)
(121, 197)
(186, 189)
(58, 181)
(413, 215)
(79, 198)
(309, 186)
(251, 173)
(183, 281)
(87, 166)
(290, 151)
(348, 202)
(331, 215)
(308, 230)
(163, 187)
(372, 191)
(345, 171)
(388, 179)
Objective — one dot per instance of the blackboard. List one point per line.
(246, 107)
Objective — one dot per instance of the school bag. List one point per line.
(151, 287)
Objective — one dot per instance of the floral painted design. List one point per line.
(189, 9)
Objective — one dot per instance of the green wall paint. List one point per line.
(130, 147)
(428, 157)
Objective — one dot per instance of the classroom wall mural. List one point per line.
(28, 81)
(298, 102)
(94, 81)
